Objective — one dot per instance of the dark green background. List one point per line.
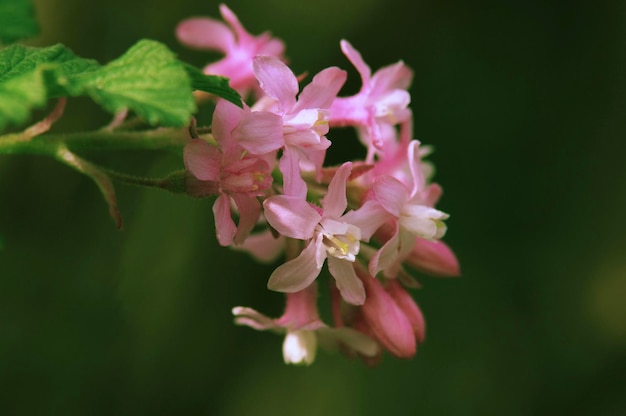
(524, 102)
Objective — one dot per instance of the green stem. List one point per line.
(160, 138)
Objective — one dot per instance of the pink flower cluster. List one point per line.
(366, 220)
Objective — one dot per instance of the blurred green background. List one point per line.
(524, 102)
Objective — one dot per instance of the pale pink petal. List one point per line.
(368, 218)
(224, 225)
(289, 165)
(391, 193)
(386, 255)
(272, 47)
(351, 338)
(417, 175)
(202, 160)
(355, 58)
(322, 90)
(296, 274)
(306, 139)
(391, 77)
(433, 257)
(349, 285)
(431, 194)
(252, 318)
(290, 216)
(335, 200)
(205, 33)
(249, 211)
(243, 36)
(276, 80)
(226, 117)
(260, 132)
(263, 246)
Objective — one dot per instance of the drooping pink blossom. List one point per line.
(303, 328)
(238, 46)
(240, 178)
(381, 103)
(328, 234)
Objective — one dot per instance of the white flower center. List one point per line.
(341, 240)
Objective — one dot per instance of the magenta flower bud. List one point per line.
(406, 302)
(386, 319)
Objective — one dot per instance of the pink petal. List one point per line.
(415, 166)
(276, 80)
(205, 33)
(252, 318)
(432, 194)
(290, 216)
(263, 246)
(322, 90)
(368, 218)
(335, 200)
(296, 274)
(349, 285)
(355, 58)
(433, 257)
(289, 165)
(224, 224)
(249, 211)
(260, 132)
(386, 255)
(242, 35)
(397, 76)
(202, 160)
(391, 193)
(226, 117)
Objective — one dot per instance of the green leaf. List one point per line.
(17, 20)
(212, 84)
(29, 76)
(19, 95)
(147, 79)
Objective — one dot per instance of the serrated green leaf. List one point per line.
(29, 76)
(147, 79)
(18, 59)
(212, 84)
(17, 20)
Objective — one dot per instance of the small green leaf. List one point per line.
(29, 76)
(17, 20)
(147, 79)
(212, 84)
(19, 95)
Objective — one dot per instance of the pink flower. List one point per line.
(329, 234)
(239, 177)
(297, 125)
(410, 202)
(381, 103)
(238, 46)
(303, 329)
